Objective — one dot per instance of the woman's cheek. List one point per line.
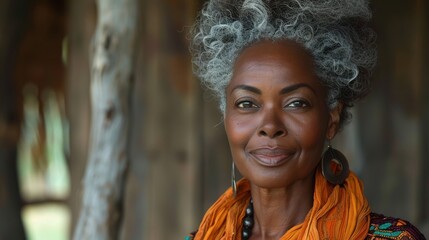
(239, 130)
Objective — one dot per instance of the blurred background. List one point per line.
(179, 156)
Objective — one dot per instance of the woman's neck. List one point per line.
(278, 210)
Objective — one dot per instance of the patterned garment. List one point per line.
(383, 228)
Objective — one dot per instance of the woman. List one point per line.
(286, 73)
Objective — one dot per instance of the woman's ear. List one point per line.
(334, 121)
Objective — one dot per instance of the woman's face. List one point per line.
(276, 117)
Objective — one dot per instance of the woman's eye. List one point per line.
(297, 104)
(246, 104)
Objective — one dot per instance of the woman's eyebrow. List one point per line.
(294, 87)
(247, 88)
(285, 90)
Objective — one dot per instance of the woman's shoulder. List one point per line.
(383, 227)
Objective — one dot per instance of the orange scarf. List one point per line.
(338, 212)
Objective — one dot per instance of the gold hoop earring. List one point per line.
(335, 167)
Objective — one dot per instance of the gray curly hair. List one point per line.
(335, 32)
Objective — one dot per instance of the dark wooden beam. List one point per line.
(13, 19)
(424, 176)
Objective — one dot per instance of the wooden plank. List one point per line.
(164, 187)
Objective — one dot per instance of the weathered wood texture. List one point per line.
(112, 69)
(165, 181)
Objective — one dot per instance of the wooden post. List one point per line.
(13, 20)
(111, 78)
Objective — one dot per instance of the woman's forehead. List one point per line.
(279, 61)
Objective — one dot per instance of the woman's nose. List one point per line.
(272, 125)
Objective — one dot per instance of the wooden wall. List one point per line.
(166, 142)
(388, 138)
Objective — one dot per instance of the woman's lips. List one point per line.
(271, 157)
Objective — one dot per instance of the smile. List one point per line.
(270, 157)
